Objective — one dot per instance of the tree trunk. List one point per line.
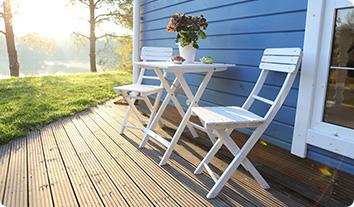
(92, 37)
(10, 40)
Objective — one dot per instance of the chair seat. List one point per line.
(227, 117)
(140, 88)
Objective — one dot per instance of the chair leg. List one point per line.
(152, 116)
(151, 108)
(134, 109)
(207, 159)
(211, 135)
(125, 121)
(166, 101)
(236, 162)
(157, 103)
(246, 163)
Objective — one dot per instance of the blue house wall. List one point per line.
(239, 31)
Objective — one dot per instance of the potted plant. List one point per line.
(189, 29)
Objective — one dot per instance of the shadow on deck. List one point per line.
(84, 161)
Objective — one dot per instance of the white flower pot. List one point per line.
(188, 52)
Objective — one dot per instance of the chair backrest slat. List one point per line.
(156, 53)
(277, 67)
(283, 51)
(291, 60)
(153, 54)
(284, 60)
(280, 59)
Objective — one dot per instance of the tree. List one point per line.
(6, 15)
(101, 11)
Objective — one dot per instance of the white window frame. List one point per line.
(307, 129)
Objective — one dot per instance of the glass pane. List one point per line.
(339, 106)
(343, 44)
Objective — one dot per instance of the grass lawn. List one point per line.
(32, 102)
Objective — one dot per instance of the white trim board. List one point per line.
(136, 38)
(305, 132)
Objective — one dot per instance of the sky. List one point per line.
(57, 19)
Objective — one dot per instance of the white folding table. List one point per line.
(192, 100)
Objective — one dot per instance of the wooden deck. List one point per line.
(84, 161)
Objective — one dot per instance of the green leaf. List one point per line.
(202, 34)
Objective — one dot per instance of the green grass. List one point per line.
(32, 102)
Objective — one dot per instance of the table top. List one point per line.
(186, 67)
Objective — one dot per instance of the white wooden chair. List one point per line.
(219, 122)
(140, 91)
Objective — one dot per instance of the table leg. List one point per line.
(185, 87)
(187, 116)
(171, 91)
(159, 113)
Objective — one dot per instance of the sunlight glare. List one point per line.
(51, 18)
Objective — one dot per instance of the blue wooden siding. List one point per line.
(239, 31)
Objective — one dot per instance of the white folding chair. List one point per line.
(219, 122)
(140, 91)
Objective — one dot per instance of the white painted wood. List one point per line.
(277, 67)
(283, 51)
(317, 123)
(162, 108)
(175, 100)
(341, 68)
(222, 120)
(227, 117)
(196, 67)
(157, 137)
(314, 24)
(256, 89)
(246, 163)
(263, 100)
(196, 126)
(186, 117)
(280, 59)
(291, 60)
(309, 128)
(224, 138)
(211, 154)
(178, 71)
(151, 77)
(211, 173)
(133, 109)
(171, 96)
(185, 87)
(125, 121)
(331, 142)
(136, 38)
(235, 163)
(141, 91)
(146, 89)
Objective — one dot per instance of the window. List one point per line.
(339, 103)
(325, 111)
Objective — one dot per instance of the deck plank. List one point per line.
(240, 182)
(16, 188)
(5, 154)
(130, 191)
(62, 191)
(39, 192)
(84, 189)
(186, 177)
(172, 186)
(204, 183)
(84, 161)
(108, 192)
(154, 192)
